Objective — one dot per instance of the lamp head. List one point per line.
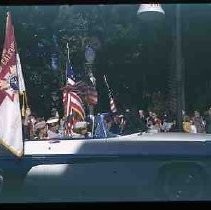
(148, 12)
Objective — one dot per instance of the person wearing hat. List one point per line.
(53, 128)
(40, 130)
(80, 130)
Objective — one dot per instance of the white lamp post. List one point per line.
(179, 70)
(147, 12)
(89, 54)
(90, 57)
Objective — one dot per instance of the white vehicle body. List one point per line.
(147, 167)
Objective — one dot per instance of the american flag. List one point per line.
(73, 105)
(87, 92)
(70, 75)
(112, 104)
(91, 96)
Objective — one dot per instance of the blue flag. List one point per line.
(100, 131)
(70, 75)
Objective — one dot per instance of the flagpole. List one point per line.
(68, 59)
(23, 106)
(26, 100)
(107, 85)
(104, 76)
(67, 65)
(68, 52)
(69, 110)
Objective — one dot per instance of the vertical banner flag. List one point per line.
(21, 82)
(10, 115)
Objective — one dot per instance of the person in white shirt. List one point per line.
(192, 127)
(53, 128)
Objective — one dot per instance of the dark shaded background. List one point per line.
(136, 56)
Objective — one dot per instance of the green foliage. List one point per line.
(134, 56)
(111, 29)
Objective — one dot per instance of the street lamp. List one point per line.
(179, 71)
(153, 12)
(89, 54)
(150, 12)
(90, 57)
(150, 15)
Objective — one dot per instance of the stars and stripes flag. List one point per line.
(11, 82)
(70, 74)
(111, 99)
(72, 102)
(73, 105)
(73, 110)
(112, 104)
(74, 94)
(87, 92)
(92, 95)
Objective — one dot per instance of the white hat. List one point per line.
(52, 120)
(39, 125)
(79, 125)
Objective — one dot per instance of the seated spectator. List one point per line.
(53, 128)
(192, 127)
(198, 122)
(187, 124)
(26, 124)
(173, 127)
(80, 130)
(115, 125)
(29, 122)
(142, 122)
(40, 130)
